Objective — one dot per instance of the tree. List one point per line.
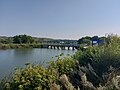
(95, 38)
(84, 40)
(20, 39)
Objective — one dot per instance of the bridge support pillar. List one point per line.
(63, 48)
(73, 48)
(58, 47)
(68, 48)
(50, 47)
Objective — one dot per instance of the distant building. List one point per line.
(96, 42)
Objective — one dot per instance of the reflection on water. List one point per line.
(22, 55)
(22, 52)
(9, 59)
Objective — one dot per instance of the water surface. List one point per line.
(9, 59)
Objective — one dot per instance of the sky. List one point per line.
(59, 19)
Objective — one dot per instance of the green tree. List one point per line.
(21, 39)
(95, 38)
(85, 40)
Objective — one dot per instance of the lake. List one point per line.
(11, 58)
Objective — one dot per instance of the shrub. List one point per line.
(101, 58)
(30, 78)
(64, 65)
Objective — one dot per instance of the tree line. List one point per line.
(22, 39)
(88, 40)
(26, 39)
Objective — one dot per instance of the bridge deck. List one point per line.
(64, 45)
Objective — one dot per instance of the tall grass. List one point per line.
(101, 58)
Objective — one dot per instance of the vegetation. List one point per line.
(15, 46)
(101, 58)
(88, 40)
(26, 41)
(63, 65)
(21, 41)
(32, 77)
(94, 68)
(6, 40)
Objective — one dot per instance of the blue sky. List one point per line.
(67, 19)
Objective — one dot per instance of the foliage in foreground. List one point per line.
(30, 78)
(100, 59)
(63, 65)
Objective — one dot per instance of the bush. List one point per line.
(64, 65)
(30, 78)
(101, 58)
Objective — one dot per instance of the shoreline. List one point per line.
(17, 46)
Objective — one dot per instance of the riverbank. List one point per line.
(15, 46)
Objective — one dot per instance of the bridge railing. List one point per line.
(60, 44)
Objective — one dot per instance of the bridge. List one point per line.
(62, 46)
